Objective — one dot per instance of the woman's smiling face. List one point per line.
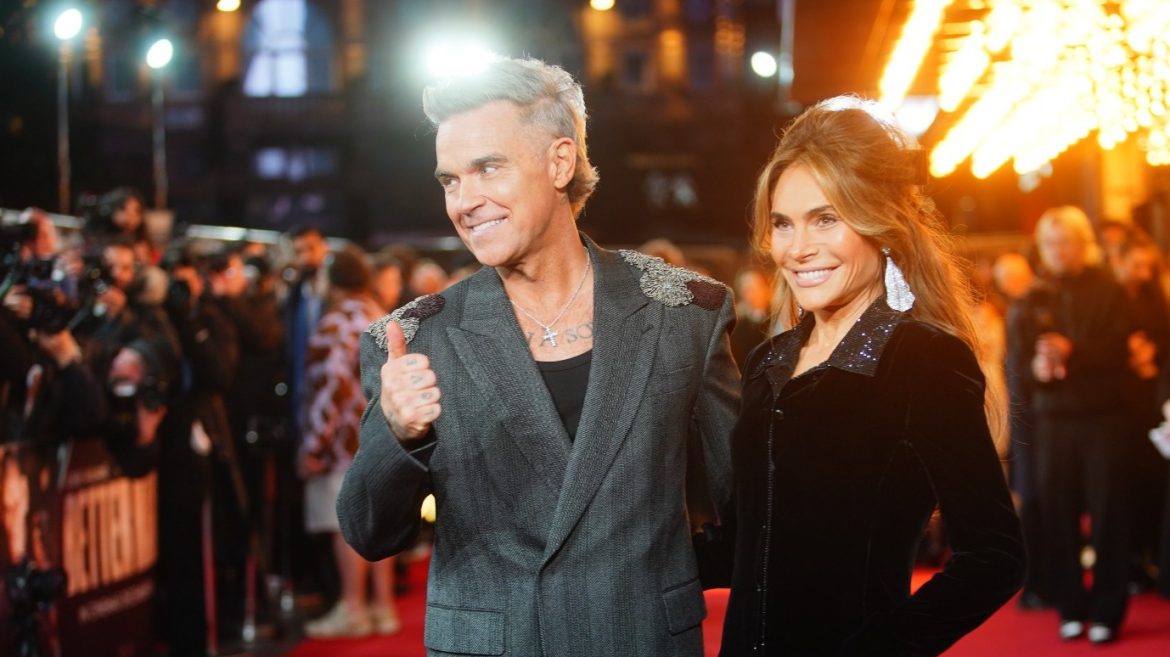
(828, 266)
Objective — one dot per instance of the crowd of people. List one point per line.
(609, 432)
(230, 368)
(1088, 352)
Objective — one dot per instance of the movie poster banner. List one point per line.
(81, 545)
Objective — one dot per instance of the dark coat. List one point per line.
(837, 474)
(1088, 308)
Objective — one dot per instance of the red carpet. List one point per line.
(1009, 633)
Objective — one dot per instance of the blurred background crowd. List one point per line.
(229, 367)
(203, 332)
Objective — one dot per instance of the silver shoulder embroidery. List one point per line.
(408, 317)
(662, 282)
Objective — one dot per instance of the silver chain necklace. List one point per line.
(549, 334)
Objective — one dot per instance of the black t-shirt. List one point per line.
(567, 381)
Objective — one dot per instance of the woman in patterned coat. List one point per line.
(335, 404)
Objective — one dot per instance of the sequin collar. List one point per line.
(859, 351)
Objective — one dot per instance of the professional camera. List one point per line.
(54, 296)
(12, 237)
(58, 299)
(179, 302)
(125, 396)
(126, 391)
(28, 585)
(96, 212)
(31, 590)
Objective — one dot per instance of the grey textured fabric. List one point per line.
(546, 546)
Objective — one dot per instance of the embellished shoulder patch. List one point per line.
(674, 286)
(408, 317)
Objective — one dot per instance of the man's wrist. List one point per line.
(411, 444)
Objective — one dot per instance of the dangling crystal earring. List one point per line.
(898, 294)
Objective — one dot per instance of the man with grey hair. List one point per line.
(568, 406)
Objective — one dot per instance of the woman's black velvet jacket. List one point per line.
(837, 474)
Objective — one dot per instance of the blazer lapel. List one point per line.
(623, 355)
(491, 346)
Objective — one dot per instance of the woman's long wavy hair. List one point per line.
(874, 173)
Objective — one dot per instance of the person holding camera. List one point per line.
(138, 387)
(1068, 340)
(120, 214)
(124, 304)
(48, 393)
(256, 409)
(195, 447)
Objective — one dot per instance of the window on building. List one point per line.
(701, 66)
(699, 11)
(186, 77)
(294, 164)
(635, 8)
(281, 211)
(119, 79)
(288, 50)
(670, 190)
(635, 73)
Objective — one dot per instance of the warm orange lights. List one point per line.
(1033, 77)
(917, 37)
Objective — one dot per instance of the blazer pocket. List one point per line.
(685, 606)
(464, 631)
(672, 381)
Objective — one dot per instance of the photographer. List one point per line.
(195, 446)
(257, 412)
(139, 386)
(252, 400)
(119, 214)
(48, 395)
(127, 304)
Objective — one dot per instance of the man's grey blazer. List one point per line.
(543, 545)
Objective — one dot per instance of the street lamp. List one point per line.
(763, 64)
(451, 59)
(157, 57)
(65, 28)
(786, 14)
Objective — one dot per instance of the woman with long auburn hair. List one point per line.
(866, 414)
